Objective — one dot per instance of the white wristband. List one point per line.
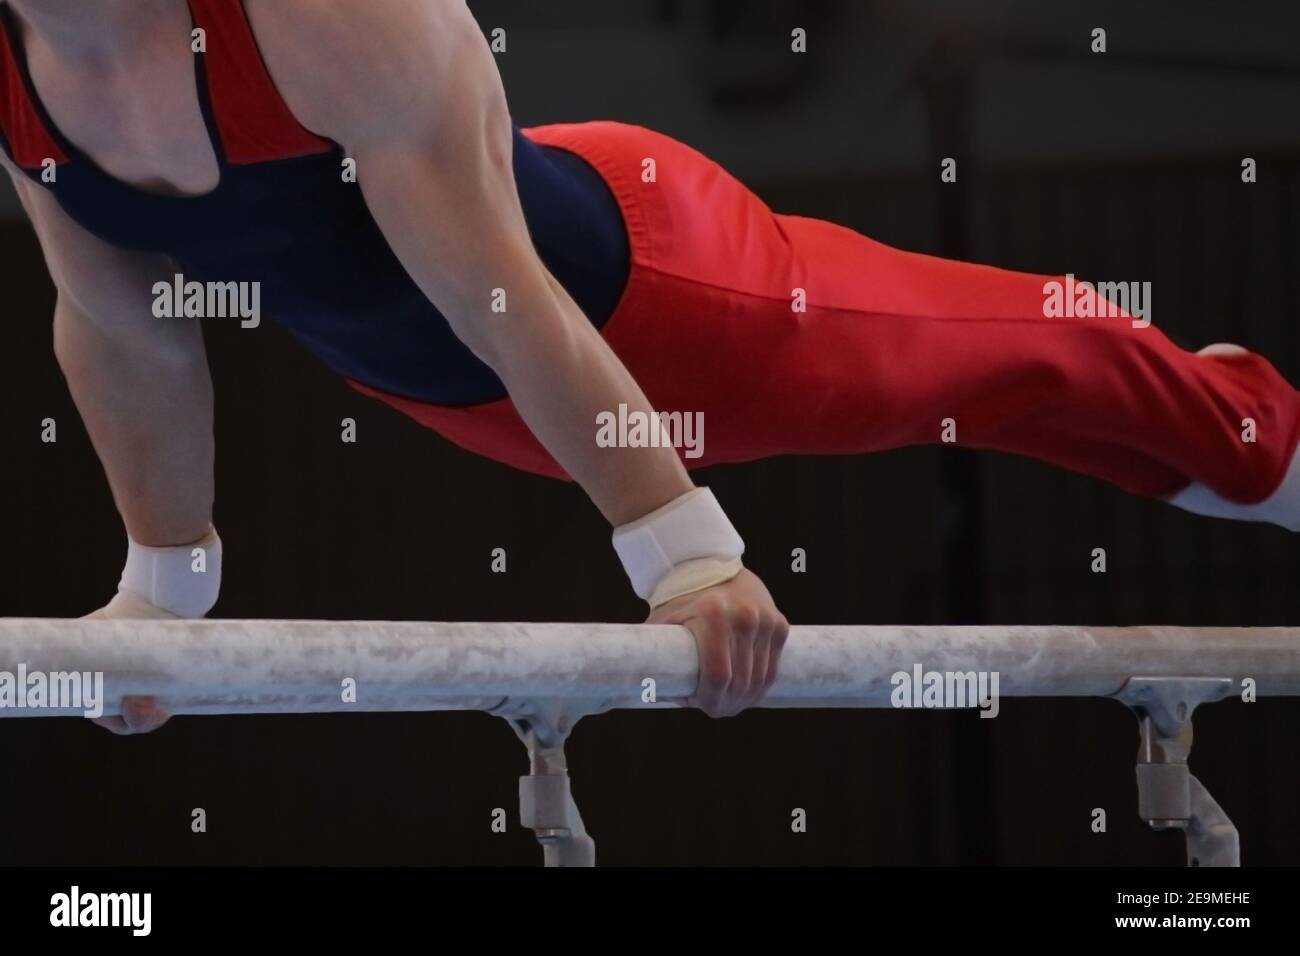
(183, 580)
(685, 546)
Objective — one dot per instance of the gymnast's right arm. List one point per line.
(142, 387)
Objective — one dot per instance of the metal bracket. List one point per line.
(1169, 796)
(546, 804)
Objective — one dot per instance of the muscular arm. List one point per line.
(411, 91)
(431, 136)
(141, 384)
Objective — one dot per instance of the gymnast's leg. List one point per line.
(797, 335)
(971, 347)
(793, 335)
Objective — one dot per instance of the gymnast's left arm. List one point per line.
(411, 91)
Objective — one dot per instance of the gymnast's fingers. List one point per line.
(703, 620)
(114, 725)
(707, 620)
(759, 663)
(776, 645)
(741, 629)
(716, 665)
(140, 715)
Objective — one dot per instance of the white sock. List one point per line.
(1281, 508)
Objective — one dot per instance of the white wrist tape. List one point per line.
(685, 546)
(184, 580)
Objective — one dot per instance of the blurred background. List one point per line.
(1124, 165)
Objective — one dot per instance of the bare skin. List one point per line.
(410, 90)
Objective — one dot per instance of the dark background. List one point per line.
(1117, 166)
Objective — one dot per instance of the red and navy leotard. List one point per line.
(690, 279)
(283, 216)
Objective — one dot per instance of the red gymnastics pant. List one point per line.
(891, 344)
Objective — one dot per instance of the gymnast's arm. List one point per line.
(141, 384)
(411, 91)
(142, 387)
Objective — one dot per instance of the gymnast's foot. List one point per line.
(1281, 508)
(1222, 350)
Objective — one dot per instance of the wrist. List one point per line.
(686, 546)
(184, 580)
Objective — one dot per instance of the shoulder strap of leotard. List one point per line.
(25, 137)
(251, 118)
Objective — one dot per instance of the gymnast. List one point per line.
(508, 287)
